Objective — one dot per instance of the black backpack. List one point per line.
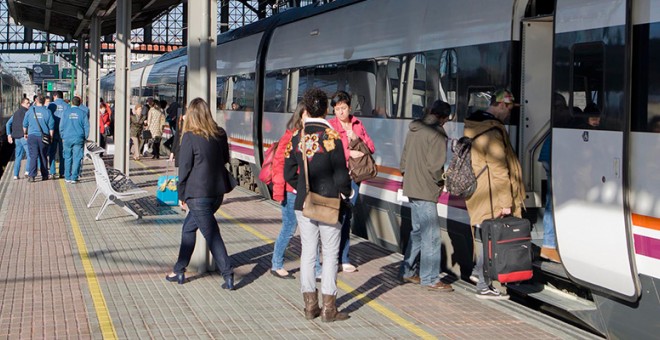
(459, 178)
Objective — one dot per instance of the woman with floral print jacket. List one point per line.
(328, 176)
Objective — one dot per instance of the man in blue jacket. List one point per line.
(74, 129)
(15, 135)
(57, 108)
(38, 120)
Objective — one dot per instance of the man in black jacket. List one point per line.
(15, 135)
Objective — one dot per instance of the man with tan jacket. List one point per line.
(500, 189)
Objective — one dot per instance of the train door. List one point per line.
(181, 85)
(589, 141)
(536, 89)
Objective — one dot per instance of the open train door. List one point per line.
(589, 143)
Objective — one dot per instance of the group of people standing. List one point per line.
(312, 156)
(203, 182)
(147, 125)
(45, 131)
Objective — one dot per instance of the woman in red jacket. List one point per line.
(104, 122)
(286, 195)
(349, 128)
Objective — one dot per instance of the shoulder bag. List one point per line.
(364, 167)
(318, 207)
(45, 138)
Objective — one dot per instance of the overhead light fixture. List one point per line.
(314, 32)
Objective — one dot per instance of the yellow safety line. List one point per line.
(345, 287)
(102, 313)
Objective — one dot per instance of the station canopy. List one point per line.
(71, 18)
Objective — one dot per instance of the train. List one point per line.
(11, 92)
(396, 57)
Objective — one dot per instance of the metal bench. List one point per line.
(112, 183)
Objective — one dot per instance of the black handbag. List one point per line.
(146, 134)
(45, 138)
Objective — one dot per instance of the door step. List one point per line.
(551, 268)
(554, 297)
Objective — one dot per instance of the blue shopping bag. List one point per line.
(166, 191)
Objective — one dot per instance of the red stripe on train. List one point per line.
(647, 246)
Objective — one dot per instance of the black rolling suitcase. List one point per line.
(507, 245)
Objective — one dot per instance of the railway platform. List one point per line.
(64, 275)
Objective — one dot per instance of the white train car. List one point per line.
(397, 57)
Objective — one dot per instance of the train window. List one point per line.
(275, 87)
(479, 98)
(242, 91)
(166, 92)
(382, 108)
(449, 77)
(646, 89)
(324, 77)
(586, 87)
(358, 79)
(393, 75)
(221, 93)
(407, 78)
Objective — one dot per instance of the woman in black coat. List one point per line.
(203, 181)
(321, 146)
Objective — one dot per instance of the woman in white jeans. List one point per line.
(328, 176)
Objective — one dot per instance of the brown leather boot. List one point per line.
(312, 309)
(329, 312)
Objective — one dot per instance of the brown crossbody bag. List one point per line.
(318, 207)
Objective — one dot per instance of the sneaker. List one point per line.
(491, 293)
(348, 268)
(15, 177)
(474, 278)
(31, 179)
(27, 173)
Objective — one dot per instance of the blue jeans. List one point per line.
(425, 241)
(289, 224)
(200, 216)
(20, 149)
(73, 155)
(478, 269)
(549, 236)
(37, 151)
(56, 147)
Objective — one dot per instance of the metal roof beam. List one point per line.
(55, 7)
(49, 5)
(250, 7)
(84, 22)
